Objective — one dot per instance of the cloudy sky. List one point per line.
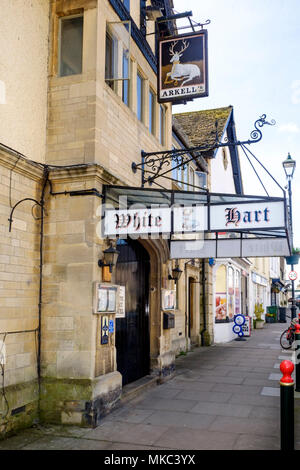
(253, 53)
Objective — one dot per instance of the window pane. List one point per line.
(151, 112)
(230, 293)
(221, 295)
(127, 4)
(185, 176)
(71, 46)
(125, 91)
(192, 179)
(139, 110)
(237, 292)
(174, 170)
(109, 59)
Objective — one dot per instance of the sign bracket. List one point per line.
(158, 164)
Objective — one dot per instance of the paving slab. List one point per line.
(215, 397)
(19, 441)
(88, 444)
(129, 433)
(192, 385)
(131, 415)
(271, 391)
(188, 439)
(50, 443)
(253, 442)
(222, 397)
(232, 388)
(180, 419)
(255, 399)
(165, 392)
(261, 382)
(267, 412)
(154, 403)
(122, 446)
(276, 377)
(259, 427)
(224, 409)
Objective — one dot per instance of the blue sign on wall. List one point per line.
(111, 326)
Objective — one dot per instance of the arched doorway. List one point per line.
(132, 332)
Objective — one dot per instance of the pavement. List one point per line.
(223, 397)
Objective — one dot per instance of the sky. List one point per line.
(253, 60)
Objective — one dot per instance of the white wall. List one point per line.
(274, 264)
(221, 178)
(24, 26)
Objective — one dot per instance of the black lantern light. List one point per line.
(289, 166)
(110, 256)
(176, 273)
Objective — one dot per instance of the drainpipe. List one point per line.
(42, 204)
(203, 303)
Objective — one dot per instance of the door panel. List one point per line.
(132, 332)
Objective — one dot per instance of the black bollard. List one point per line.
(287, 434)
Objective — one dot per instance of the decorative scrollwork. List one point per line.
(256, 134)
(158, 162)
(207, 22)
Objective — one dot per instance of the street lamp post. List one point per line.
(289, 166)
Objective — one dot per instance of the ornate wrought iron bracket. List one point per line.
(158, 164)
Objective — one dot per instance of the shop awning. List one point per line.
(199, 224)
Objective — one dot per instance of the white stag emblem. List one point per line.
(179, 71)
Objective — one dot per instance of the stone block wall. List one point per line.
(19, 290)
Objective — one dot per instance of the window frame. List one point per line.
(61, 19)
(152, 106)
(140, 109)
(126, 81)
(162, 125)
(125, 4)
(111, 82)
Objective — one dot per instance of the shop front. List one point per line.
(227, 299)
(260, 291)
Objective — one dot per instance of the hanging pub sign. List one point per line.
(182, 67)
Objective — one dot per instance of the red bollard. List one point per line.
(287, 433)
(297, 356)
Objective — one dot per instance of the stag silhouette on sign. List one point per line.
(185, 72)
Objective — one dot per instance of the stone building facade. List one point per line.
(86, 124)
(70, 133)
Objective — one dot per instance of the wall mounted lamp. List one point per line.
(110, 256)
(176, 273)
